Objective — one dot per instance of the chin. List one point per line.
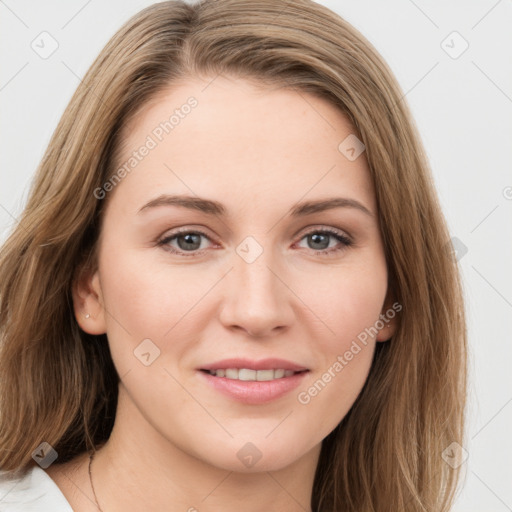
(255, 457)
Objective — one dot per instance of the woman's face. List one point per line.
(243, 231)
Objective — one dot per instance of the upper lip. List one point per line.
(262, 364)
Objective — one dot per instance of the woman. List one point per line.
(230, 287)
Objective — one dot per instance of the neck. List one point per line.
(139, 468)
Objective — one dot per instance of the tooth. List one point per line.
(232, 373)
(265, 375)
(245, 374)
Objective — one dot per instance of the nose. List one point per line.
(257, 299)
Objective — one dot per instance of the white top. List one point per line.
(35, 492)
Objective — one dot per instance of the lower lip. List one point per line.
(254, 392)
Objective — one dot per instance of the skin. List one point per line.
(175, 440)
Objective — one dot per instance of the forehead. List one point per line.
(222, 135)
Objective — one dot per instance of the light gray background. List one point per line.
(462, 106)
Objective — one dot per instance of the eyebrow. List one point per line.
(211, 207)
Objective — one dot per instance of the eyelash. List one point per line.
(345, 241)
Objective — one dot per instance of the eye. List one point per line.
(190, 241)
(319, 240)
(187, 242)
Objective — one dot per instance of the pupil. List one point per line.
(317, 239)
(190, 238)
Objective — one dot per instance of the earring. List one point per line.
(87, 316)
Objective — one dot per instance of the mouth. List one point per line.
(249, 375)
(253, 382)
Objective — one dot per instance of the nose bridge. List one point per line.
(257, 299)
(253, 275)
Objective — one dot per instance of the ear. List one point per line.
(88, 302)
(388, 318)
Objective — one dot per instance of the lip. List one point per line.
(253, 392)
(263, 364)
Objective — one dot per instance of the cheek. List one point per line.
(330, 393)
(149, 296)
(346, 300)
(149, 302)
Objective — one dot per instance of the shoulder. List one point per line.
(30, 492)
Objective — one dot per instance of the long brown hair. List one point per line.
(58, 383)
